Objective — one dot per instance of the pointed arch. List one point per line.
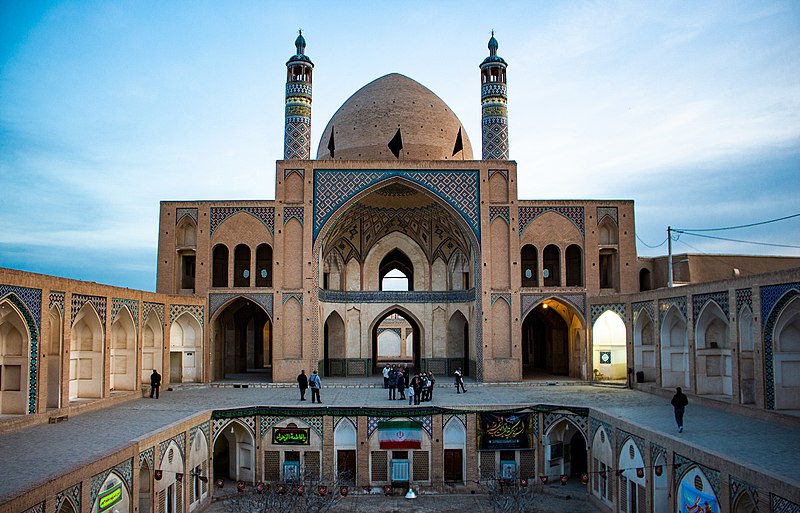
(713, 352)
(632, 487)
(454, 436)
(152, 348)
(692, 481)
(416, 332)
(186, 342)
(345, 442)
(334, 344)
(674, 350)
(123, 351)
(660, 485)
(530, 265)
(644, 346)
(602, 465)
(15, 343)
(53, 352)
(168, 490)
(783, 329)
(114, 481)
(198, 458)
(745, 332)
(234, 452)
(609, 347)
(86, 355)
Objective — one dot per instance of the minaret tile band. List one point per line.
(494, 105)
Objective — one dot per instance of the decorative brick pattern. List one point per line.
(292, 295)
(180, 213)
(297, 137)
(744, 297)
(503, 172)
(266, 423)
(494, 137)
(98, 302)
(300, 172)
(647, 306)
(147, 456)
(505, 296)
(293, 213)
(738, 487)
(333, 188)
(623, 436)
(196, 311)
(124, 470)
(383, 296)
(204, 428)
(71, 494)
(312, 469)
(574, 214)
(595, 424)
(421, 466)
(380, 466)
(499, 212)
(528, 301)
(610, 212)
(117, 304)
(272, 465)
(773, 299)
(656, 451)
(39, 508)
(781, 505)
(581, 422)
(264, 214)
(148, 308)
(699, 301)
(527, 464)
(316, 424)
(617, 308)
(57, 299)
(487, 465)
(216, 301)
(31, 298)
(665, 304)
(180, 442)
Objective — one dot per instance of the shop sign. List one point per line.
(109, 498)
(291, 436)
(507, 431)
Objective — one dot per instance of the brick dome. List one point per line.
(368, 120)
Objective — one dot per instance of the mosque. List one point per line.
(398, 245)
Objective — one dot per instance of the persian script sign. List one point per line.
(291, 436)
(505, 431)
(110, 498)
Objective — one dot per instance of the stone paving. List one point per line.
(35, 454)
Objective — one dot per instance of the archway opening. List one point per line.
(565, 450)
(145, 489)
(14, 351)
(243, 342)
(395, 341)
(396, 272)
(234, 454)
(458, 350)
(334, 360)
(54, 348)
(610, 357)
(545, 341)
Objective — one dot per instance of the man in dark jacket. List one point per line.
(155, 383)
(679, 402)
(302, 384)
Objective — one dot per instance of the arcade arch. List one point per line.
(185, 357)
(86, 355)
(747, 382)
(602, 465)
(123, 352)
(458, 341)
(632, 486)
(559, 460)
(345, 446)
(145, 488)
(695, 488)
(14, 351)
(242, 341)
(713, 352)
(455, 449)
(644, 346)
(674, 350)
(113, 495)
(234, 453)
(552, 340)
(610, 361)
(786, 356)
(198, 470)
(168, 491)
(334, 344)
(660, 485)
(152, 347)
(53, 353)
(391, 349)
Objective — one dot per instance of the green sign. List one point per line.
(291, 436)
(110, 498)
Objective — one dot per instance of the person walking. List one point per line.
(392, 384)
(401, 385)
(315, 384)
(459, 381)
(679, 402)
(386, 376)
(302, 384)
(155, 383)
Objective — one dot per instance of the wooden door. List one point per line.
(453, 466)
(346, 467)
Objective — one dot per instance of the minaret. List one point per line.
(297, 131)
(494, 101)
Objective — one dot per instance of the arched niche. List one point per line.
(573, 263)
(695, 488)
(660, 485)
(198, 468)
(632, 485)
(786, 356)
(169, 492)
(558, 459)
(713, 352)
(185, 357)
(334, 344)
(152, 347)
(602, 465)
(644, 346)
(86, 355)
(14, 360)
(399, 248)
(123, 352)
(674, 350)
(747, 382)
(113, 494)
(530, 265)
(345, 445)
(219, 266)
(234, 453)
(609, 346)
(455, 450)
(459, 272)
(54, 350)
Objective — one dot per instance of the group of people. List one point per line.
(417, 387)
(313, 382)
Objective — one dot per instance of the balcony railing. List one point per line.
(394, 296)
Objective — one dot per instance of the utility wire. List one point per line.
(713, 257)
(736, 240)
(648, 245)
(735, 227)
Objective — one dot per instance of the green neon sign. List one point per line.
(110, 498)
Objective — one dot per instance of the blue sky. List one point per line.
(692, 109)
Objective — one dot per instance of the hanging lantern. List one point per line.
(220, 483)
(323, 490)
(260, 488)
(603, 474)
(281, 489)
(158, 474)
(387, 490)
(523, 482)
(544, 479)
(343, 491)
(640, 472)
(585, 478)
(240, 486)
(564, 479)
(179, 477)
(301, 490)
(659, 470)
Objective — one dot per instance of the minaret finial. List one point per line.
(297, 131)
(494, 103)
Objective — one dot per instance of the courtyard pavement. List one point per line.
(34, 455)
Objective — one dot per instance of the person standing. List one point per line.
(302, 384)
(401, 384)
(411, 394)
(392, 384)
(315, 384)
(155, 383)
(460, 381)
(431, 382)
(386, 376)
(679, 402)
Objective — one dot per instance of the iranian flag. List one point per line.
(400, 434)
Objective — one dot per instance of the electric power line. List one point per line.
(736, 240)
(734, 227)
(648, 245)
